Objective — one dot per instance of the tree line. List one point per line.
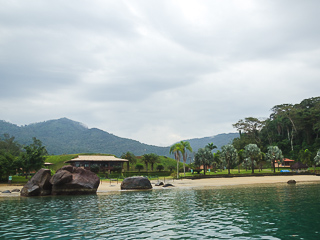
(291, 131)
(16, 158)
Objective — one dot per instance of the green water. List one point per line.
(263, 212)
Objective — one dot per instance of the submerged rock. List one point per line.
(6, 191)
(70, 180)
(136, 183)
(159, 184)
(15, 190)
(38, 185)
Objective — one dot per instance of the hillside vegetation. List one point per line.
(64, 136)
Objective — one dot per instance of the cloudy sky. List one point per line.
(156, 71)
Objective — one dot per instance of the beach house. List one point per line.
(105, 163)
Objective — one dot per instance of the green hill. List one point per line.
(64, 136)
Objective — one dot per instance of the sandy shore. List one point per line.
(107, 187)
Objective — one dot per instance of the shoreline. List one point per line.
(105, 187)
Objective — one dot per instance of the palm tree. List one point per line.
(151, 158)
(229, 155)
(253, 152)
(211, 146)
(316, 160)
(274, 154)
(186, 147)
(176, 149)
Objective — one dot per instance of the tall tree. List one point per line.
(274, 154)
(203, 157)
(32, 159)
(251, 126)
(7, 164)
(130, 157)
(185, 148)
(176, 149)
(253, 152)
(151, 158)
(229, 156)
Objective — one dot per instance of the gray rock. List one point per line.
(168, 185)
(136, 183)
(70, 180)
(6, 191)
(15, 190)
(38, 185)
(292, 182)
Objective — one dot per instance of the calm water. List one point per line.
(265, 212)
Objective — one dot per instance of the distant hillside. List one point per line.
(218, 140)
(64, 136)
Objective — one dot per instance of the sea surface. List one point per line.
(267, 211)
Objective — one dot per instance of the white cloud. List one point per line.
(156, 71)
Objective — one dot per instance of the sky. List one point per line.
(156, 71)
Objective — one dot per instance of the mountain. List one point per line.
(218, 140)
(64, 136)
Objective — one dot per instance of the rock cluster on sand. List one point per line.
(68, 180)
(132, 183)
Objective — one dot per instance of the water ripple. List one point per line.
(231, 213)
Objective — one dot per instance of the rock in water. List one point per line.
(38, 185)
(136, 183)
(70, 180)
(292, 182)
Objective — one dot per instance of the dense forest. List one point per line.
(294, 128)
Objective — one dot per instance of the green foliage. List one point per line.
(274, 154)
(177, 150)
(150, 158)
(94, 169)
(252, 151)
(64, 136)
(316, 160)
(185, 148)
(7, 165)
(292, 127)
(160, 167)
(203, 157)
(130, 157)
(139, 167)
(229, 156)
(59, 160)
(32, 159)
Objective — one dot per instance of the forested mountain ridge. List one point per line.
(294, 128)
(217, 140)
(65, 136)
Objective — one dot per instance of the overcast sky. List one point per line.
(156, 71)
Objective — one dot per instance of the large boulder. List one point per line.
(38, 185)
(70, 180)
(131, 183)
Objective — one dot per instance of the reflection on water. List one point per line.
(264, 212)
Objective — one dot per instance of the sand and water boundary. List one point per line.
(108, 187)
